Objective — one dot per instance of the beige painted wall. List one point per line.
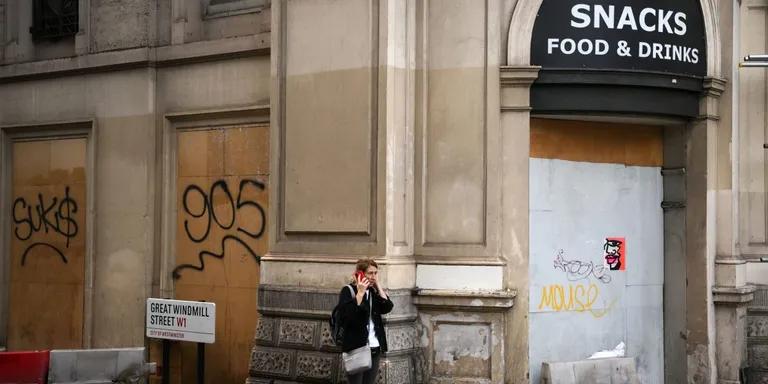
(752, 122)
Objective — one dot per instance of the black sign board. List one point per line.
(622, 35)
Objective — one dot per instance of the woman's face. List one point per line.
(372, 273)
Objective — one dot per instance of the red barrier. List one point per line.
(29, 367)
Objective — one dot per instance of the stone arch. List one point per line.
(524, 16)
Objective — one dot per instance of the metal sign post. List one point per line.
(200, 362)
(166, 361)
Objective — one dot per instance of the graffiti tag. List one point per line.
(579, 270)
(54, 216)
(574, 297)
(208, 214)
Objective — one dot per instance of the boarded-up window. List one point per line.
(47, 261)
(220, 234)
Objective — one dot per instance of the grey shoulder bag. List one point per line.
(358, 359)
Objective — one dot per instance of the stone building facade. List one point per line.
(530, 192)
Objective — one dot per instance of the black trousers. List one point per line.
(369, 376)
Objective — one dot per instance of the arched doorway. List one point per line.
(576, 99)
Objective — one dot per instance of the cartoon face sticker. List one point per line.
(614, 250)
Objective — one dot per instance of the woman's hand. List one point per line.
(380, 290)
(362, 285)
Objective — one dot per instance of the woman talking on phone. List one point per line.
(361, 304)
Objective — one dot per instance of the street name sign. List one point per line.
(182, 320)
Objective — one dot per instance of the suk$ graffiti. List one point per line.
(52, 216)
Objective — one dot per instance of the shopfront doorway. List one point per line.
(597, 242)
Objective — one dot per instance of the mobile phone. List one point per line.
(360, 275)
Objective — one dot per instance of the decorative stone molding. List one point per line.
(713, 88)
(298, 332)
(399, 372)
(265, 331)
(293, 338)
(316, 366)
(733, 295)
(326, 340)
(292, 301)
(271, 361)
(757, 326)
(515, 87)
(518, 75)
(147, 57)
(757, 337)
(483, 301)
(402, 338)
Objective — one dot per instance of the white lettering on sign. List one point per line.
(649, 19)
(584, 46)
(668, 52)
(181, 320)
(612, 17)
(634, 36)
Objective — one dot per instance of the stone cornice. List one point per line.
(714, 86)
(470, 301)
(733, 295)
(710, 100)
(202, 51)
(518, 76)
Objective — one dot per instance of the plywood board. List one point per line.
(221, 214)
(593, 142)
(48, 231)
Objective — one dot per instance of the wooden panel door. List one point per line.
(47, 261)
(222, 176)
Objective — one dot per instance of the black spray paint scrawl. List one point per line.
(49, 216)
(207, 213)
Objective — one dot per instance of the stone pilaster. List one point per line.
(515, 116)
(730, 292)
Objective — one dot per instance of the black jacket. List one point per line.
(355, 318)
